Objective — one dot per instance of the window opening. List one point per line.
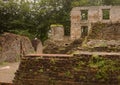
(106, 14)
(84, 14)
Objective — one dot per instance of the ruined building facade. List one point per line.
(83, 17)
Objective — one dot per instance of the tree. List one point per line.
(95, 2)
(80, 3)
(111, 2)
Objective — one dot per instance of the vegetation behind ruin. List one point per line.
(33, 19)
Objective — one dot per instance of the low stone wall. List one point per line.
(77, 70)
(103, 45)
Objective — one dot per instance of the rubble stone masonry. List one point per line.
(93, 14)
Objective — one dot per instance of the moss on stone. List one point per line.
(56, 25)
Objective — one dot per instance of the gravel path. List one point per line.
(7, 72)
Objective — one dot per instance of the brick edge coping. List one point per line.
(48, 55)
(99, 53)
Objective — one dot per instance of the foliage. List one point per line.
(36, 18)
(53, 61)
(23, 33)
(41, 70)
(68, 74)
(106, 14)
(103, 66)
(80, 3)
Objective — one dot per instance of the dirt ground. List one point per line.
(7, 71)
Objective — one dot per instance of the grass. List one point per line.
(3, 63)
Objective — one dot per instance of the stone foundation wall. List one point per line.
(77, 70)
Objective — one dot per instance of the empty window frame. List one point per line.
(106, 14)
(84, 14)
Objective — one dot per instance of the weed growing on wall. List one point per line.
(104, 67)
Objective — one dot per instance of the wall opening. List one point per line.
(106, 14)
(84, 14)
(84, 31)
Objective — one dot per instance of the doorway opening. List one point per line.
(84, 31)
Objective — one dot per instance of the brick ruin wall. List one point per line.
(69, 71)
